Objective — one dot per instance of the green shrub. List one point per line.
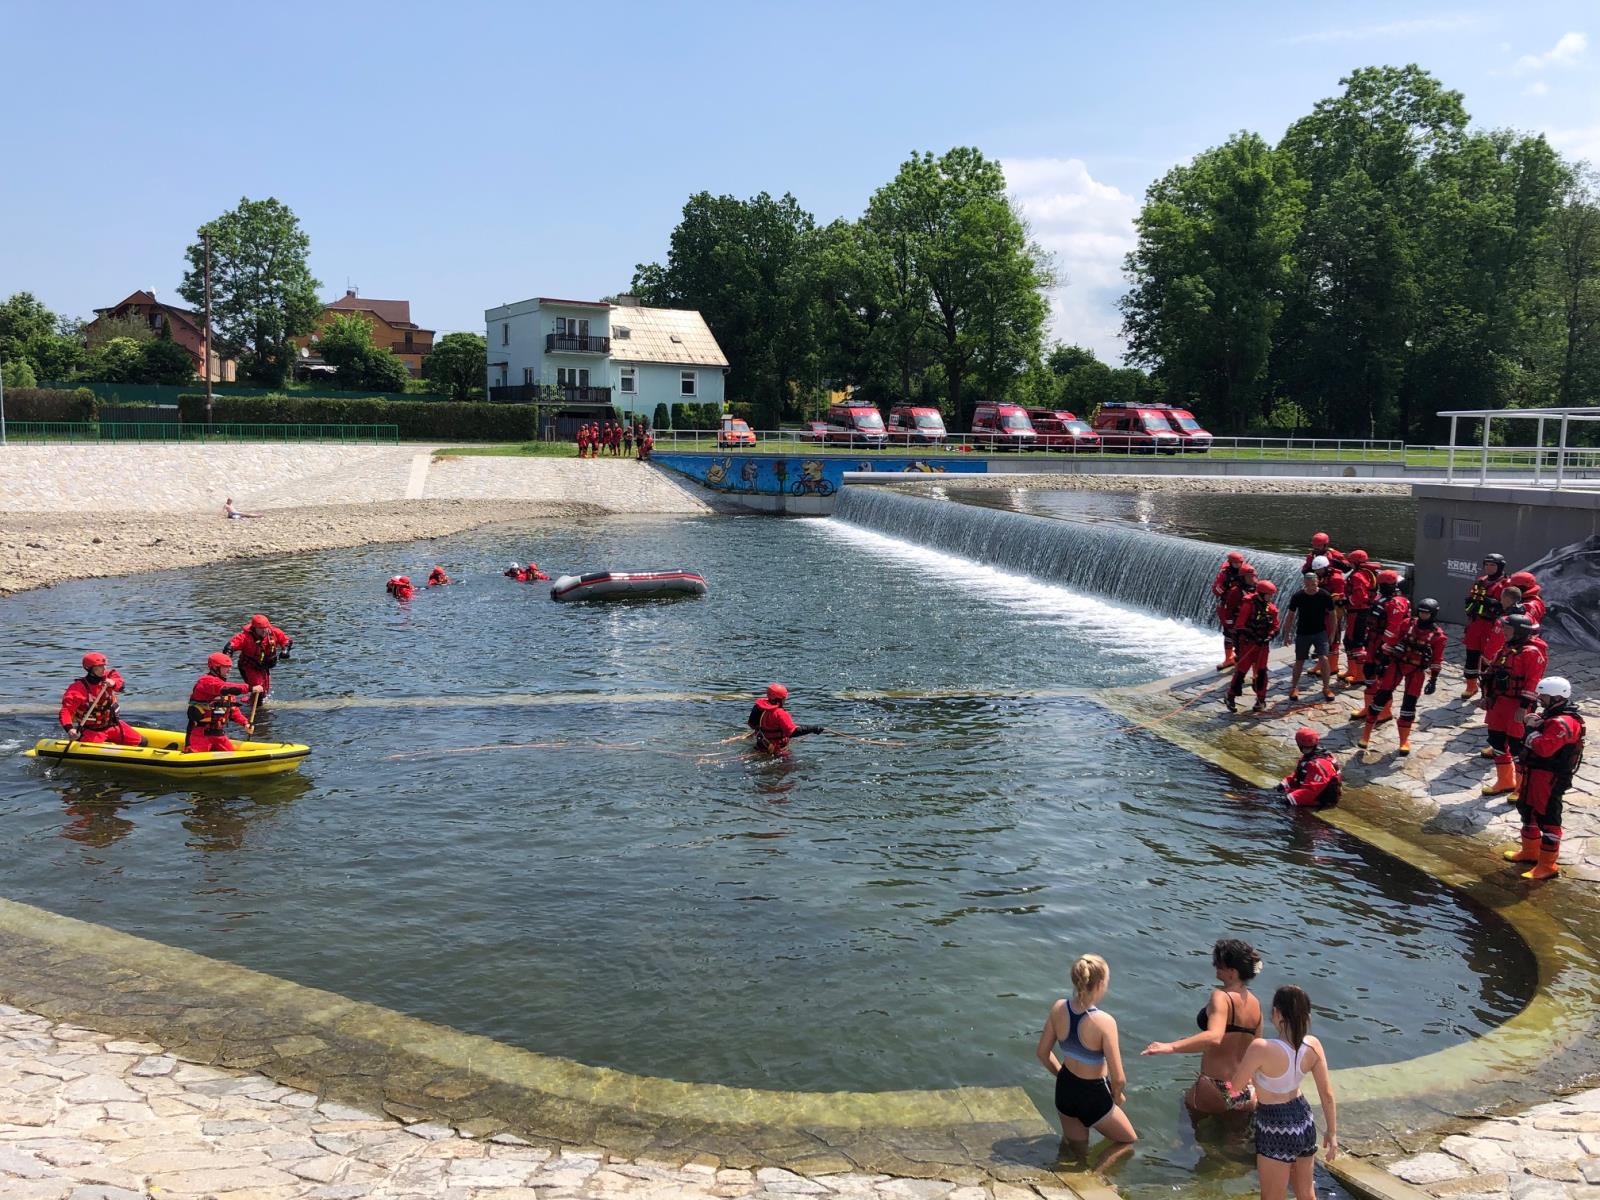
(416, 419)
(663, 418)
(51, 404)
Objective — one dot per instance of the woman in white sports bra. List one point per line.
(1285, 1131)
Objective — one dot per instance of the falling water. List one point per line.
(1156, 571)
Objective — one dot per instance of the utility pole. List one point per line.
(206, 238)
(2, 403)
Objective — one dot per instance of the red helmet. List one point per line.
(404, 579)
(1356, 558)
(94, 659)
(219, 661)
(1235, 557)
(259, 621)
(1247, 569)
(1306, 738)
(1388, 578)
(776, 692)
(1523, 580)
(1319, 539)
(1266, 587)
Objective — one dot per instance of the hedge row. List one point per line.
(51, 404)
(697, 416)
(417, 419)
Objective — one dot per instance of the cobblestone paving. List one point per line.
(84, 1116)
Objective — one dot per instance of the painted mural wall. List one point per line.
(800, 475)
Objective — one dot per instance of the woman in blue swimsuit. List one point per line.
(1079, 1047)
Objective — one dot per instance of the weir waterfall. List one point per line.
(1131, 566)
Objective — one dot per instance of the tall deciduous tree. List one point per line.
(736, 262)
(1209, 274)
(263, 292)
(1570, 290)
(958, 250)
(458, 364)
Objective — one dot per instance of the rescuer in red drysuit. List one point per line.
(1316, 779)
(647, 443)
(400, 587)
(213, 702)
(1532, 602)
(1232, 599)
(1415, 650)
(259, 646)
(1333, 583)
(1483, 610)
(89, 710)
(1509, 695)
(436, 577)
(1321, 549)
(773, 725)
(583, 440)
(1387, 614)
(515, 571)
(1253, 631)
(1360, 586)
(1553, 754)
(1227, 577)
(532, 574)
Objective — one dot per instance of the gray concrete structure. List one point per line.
(1457, 524)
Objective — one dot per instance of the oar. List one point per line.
(94, 703)
(250, 721)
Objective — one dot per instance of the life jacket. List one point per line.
(1379, 614)
(212, 715)
(1508, 675)
(1415, 644)
(1258, 625)
(263, 651)
(1330, 794)
(1483, 597)
(105, 714)
(1226, 578)
(1564, 763)
(772, 734)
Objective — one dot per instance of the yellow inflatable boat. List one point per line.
(163, 752)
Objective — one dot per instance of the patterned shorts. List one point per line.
(1285, 1132)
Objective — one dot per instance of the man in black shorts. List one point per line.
(1310, 617)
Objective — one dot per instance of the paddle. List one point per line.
(94, 703)
(250, 721)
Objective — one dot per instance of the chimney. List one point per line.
(349, 293)
(626, 300)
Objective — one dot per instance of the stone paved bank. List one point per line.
(1550, 1152)
(84, 1116)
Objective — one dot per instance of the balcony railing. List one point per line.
(412, 348)
(530, 393)
(572, 343)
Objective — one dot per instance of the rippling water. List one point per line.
(631, 892)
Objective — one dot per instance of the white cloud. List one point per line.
(1583, 143)
(1569, 48)
(1537, 88)
(1088, 226)
(1449, 23)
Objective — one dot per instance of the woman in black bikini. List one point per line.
(1229, 1022)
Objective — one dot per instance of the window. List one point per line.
(630, 380)
(561, 326)
(527, 375)
(621, 332)
(583, 326)
(505, 333)
(408, 339)
(686, 382)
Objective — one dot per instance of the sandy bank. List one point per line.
(1231, 484)
(39, 549)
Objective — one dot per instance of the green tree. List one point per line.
(1209, 275)
(118, 360)
(1569, 289)
(736, 262)
(263, 292)
(18, 373)
(345, 342)
(23, 317)
(961, 263)
(458, 365)
(162, 360)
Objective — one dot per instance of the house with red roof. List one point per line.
(392, 328)
(188, 330)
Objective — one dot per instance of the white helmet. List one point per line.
(1554, 685)
(1319, 563)
(515, 567)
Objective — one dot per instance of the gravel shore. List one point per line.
(39, 549)
(1234, 484)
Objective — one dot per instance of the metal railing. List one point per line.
(1548, 464)
(573, 343)
(804, 441)
(78, 432)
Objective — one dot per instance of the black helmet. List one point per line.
(1429, 606)
(1499, 560)
(1521, 627)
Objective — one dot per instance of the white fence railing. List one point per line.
(803, 441)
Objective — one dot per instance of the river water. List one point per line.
(631, 891)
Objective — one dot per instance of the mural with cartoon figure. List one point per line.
(748, 471)
(818, 475)
(811, 481)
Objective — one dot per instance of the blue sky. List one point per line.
(461, 156)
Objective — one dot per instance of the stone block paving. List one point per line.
(1549, 1152)
(85, 1116)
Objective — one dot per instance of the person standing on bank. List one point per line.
(1483, 610)
(1229, 1023)
(1553, 751)
(1079, 1047)
(1285, 1131)
(1310, 623)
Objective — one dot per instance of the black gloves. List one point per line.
(1432, 686)
(809, 729)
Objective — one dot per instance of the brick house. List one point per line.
(188, 330)
(392, 327)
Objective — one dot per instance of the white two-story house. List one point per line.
(599, 356)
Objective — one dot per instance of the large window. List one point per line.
(687, 381)
(630, 380)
